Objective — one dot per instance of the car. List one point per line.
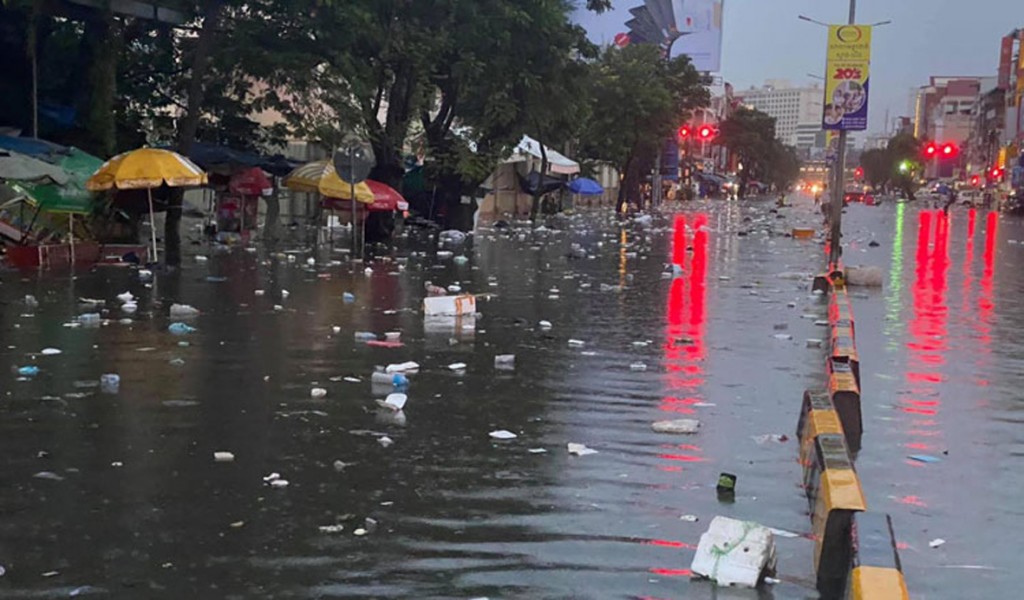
(862, 197)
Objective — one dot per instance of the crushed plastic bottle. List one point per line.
(28, 371)
(396, 380)
(180, 328)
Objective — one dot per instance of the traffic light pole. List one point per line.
(839, 183)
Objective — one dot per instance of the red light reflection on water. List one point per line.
(685, 348)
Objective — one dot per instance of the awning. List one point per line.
(557, 162)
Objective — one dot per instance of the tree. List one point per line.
(878, 167)
(749, 134)
(783, 167)
(637, 99)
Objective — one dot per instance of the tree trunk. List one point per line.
(188, 124)
(270, 226)
(535, 205)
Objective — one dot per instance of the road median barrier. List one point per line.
(845, 395)
(836, 495)
(875, 570)
(817, 417)
(843, 349)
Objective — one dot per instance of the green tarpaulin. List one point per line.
(71, 197)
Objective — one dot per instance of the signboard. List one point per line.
(700, 24)
(354, 160)
(846, 78)
(1005, 62)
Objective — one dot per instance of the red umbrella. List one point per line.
(251, 182)
(385, 198)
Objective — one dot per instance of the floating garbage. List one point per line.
(180, 328)
(348, 297)
(676, 426)
(783, 336)
(125, 297)
(183, 311)
(145, 275)
(28, 371)
(365, 336)
(936, 543)
(638, 366)
(460, 260)
(48, 475)
(406, 367)
(394, 379)
(864, 276)
(30, 301)
(579, 449)
(223, 457)
(285, 294)
(770, 437)
(394, 402)
(331, 528)
(545, 325)
(317, 392)
(259, 292)
(925, 458)
(129, 307)
(505, 362)
(385, 441)
(459, 366)
(89, 319)
(503, 434)
(689, 518)
(110, 383)
(50, 351)
(455, 289)
(449, 306)
(733, 552)
(576, 343)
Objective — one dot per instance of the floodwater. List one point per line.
(118, 494)
(942, 364)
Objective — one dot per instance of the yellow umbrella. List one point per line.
(320, 177)
(146, 168)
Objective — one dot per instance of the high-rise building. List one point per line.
(797, 110)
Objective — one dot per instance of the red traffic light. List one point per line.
(706, 132)
(930, 149)
(684, 131)
(975, 180)
(858, 172)
(996, 172)
(950, 150)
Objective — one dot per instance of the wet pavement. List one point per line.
(118, 494)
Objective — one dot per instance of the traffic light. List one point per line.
(684, 132)
(996, 173)
(931, 149)
(950, 150)
(858, 172)
(975, 181)
(706, 132)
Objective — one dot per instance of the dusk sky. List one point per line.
(763, 39)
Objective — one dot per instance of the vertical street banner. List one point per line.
(1005, 62)
(847, 78)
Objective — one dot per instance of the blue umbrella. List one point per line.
(585, 187)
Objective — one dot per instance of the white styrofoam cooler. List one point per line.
(733, 552)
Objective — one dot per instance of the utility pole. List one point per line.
(839, 185)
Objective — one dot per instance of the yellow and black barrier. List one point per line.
(817, 417)
(839, 310)
(836, 495)
(845, 395)
(843, 349)
(875, 570)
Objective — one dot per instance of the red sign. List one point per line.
(1005, 62)
(622, 40)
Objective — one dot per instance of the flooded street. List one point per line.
(119, 495)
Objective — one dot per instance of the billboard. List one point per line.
(847, 79)
(699, 22)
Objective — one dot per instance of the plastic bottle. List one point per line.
(396, 380)
(110, 382)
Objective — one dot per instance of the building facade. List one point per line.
(797, 110)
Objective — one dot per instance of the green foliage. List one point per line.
(783, 165)
(749, 134)
(882, 165)
(637, 99)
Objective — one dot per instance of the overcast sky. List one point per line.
(763, 39)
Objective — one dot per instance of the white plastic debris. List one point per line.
(733, 552)
(576, 343)
(638, 366)
(317, 392)
(367, 271)
(259, 292)
(50, 351)
(503, 434)
(459, 366)
(936, 543)
(537, 451)
(676, 426)
(201, 258)
(864, 276)
(223, 457)
(279, 483)
(182, 311)
(545, 325)
(30, 301)
(405, 367)
(125, 297)
(579, 449)
(331, 528)
(394, 402)
(385, 441)
(311, 261)
(689, 518)
(505, 361)
(129, 307)
(783, 336)
(449, 306)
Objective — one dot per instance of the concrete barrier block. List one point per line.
(843, 348)
(733, 552)
(875, 570)
(837, 495)
(817, 417)
(845, 395)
